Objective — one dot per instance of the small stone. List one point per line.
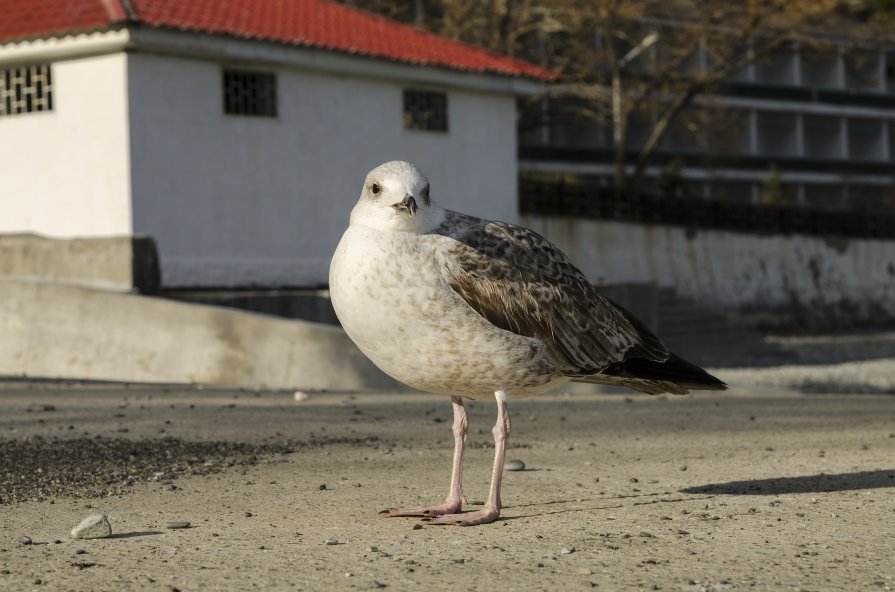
(95, 526)
(567, 550)
(80, 552)
(514, 465)
(177, 524)
(332, 541)
(647, 535)
(322, 487)
(634, 480)
(683, 532)
(247, 514)
(25, 540)
(417, 527)
(683, 467)
(301, 396)
(38, 581)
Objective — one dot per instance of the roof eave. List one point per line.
(69, 46)
(232, 49)
(163, 41)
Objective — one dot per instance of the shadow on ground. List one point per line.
(130, 535)
(808, 484)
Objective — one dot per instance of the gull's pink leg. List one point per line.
(491, 511)
(455, 495)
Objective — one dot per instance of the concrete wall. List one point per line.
(57, 331)
(254, 201)
(65, 172)
(119, 263)
(104, 263)
(822, 281)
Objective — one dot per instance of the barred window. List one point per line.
(26, 89)
(425, 110)
(250, 93)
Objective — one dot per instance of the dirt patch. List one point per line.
(39, 468)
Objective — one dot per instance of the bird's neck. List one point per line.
(424, 222)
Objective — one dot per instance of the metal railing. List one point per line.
(561, 197)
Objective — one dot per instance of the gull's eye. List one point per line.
(375, 188)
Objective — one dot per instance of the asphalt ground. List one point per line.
(742, 490)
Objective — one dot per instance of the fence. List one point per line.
(552, 196)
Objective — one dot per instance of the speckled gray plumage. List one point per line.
(522, 283)
(453, 304)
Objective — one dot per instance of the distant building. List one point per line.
(237, 133)
(818, 126)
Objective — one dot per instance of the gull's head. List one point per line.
(395, 196)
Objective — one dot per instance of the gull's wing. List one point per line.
(520, 282)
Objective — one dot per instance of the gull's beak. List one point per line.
(408, 204)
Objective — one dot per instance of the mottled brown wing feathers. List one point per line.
(520, 282)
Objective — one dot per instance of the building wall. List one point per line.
(65, 172)
(237, 201)
(819, 123)
(821, 280)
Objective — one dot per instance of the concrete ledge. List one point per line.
(121, 263)
(62, 331)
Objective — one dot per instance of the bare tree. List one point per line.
(641, 61)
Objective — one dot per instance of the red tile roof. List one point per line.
(312, 23)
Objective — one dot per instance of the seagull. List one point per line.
(470, 308)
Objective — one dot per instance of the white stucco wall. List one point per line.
(847, 279)
(65, 172)
(246, 200)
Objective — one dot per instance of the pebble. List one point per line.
(247, 514)
(332, 541)
(177, 524)
(417, 527)
(25, 540)
(567, 550)
(514, 465)
(95, 526)
(647, 535)
(301, 396)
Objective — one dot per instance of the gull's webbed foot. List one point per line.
(448, 507)
(484, 516)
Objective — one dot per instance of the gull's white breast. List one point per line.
(392, 296)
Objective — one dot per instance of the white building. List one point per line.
(823, 122)
(238, 134)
